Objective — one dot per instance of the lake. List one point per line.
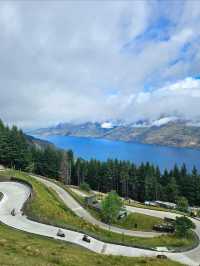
(102, 149)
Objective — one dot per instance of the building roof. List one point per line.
(171, 204)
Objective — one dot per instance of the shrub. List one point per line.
(183, 225)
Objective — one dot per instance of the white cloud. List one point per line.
(163, 121)
(180, 99)
(62, 61)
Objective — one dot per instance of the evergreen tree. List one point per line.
(172, 190)
(65, 169)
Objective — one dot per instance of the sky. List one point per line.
(77, 61)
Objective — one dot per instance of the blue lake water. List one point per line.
(102, 149)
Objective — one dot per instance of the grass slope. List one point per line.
(138, 221)
(18, 248)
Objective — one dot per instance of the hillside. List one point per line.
(173, 133)
(38, 143)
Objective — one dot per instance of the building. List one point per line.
(150, 203)
(90, 200)
(166, 204)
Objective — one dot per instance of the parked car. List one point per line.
(86, 238)
(169, 220)
(60, 233)
(165, 227)
(161, 256)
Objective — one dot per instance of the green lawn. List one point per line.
(18, 248)
(46, 207)
(137, 221)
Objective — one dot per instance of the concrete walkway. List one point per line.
(15, 194)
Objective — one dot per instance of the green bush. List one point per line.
(183, 226)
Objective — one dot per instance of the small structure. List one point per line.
(151, 203)
(90, 200)
(166, 204)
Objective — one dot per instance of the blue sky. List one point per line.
(98, 60)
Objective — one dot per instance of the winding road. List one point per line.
(15, 195)
(83, 213)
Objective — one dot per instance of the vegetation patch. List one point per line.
(85, 187)
(137, 221)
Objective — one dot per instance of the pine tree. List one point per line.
(65, 169)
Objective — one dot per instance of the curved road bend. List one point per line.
(15, 194)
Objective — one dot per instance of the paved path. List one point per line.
(79, 192)
(15, 194)
(2, 168)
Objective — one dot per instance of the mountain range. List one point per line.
(168, 131)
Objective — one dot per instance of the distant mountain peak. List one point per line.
(107, 125)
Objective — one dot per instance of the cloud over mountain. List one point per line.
(80, 61)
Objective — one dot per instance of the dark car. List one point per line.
(167, 228)
(60, 233)
(161, 256)
(86, 238)
(169, 220)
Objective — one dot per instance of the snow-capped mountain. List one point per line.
(168, 130)
(107, 125)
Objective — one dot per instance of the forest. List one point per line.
(139, 182)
